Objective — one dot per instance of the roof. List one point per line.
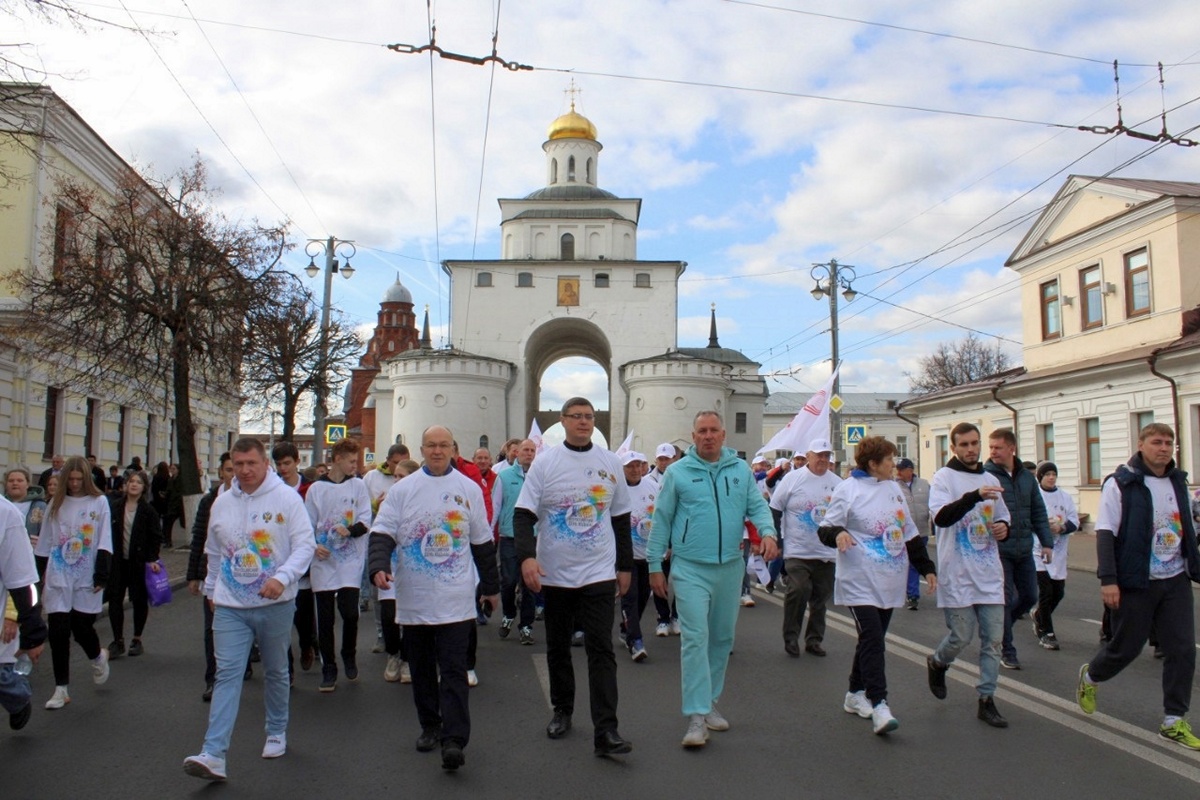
(725, 355)
(856, 402)
(568, 213)
(1166, 188)
(571, 191)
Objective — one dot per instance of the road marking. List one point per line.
(543, 675)
(1101, 727)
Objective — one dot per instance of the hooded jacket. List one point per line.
(702, 508)
(1023, 497)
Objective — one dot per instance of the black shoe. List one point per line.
(770, 587)
(19, 719)
(989, 714)
(814, 648)
(937, 679)
(912, 603)
(791, 648)
(1010, 662)
(116, 649)
(328, 678)
(429, 739)
(452, 757)
(249, 673)
(351, 668)
(610, 743)
(1159, 653)
(135, 648)
(559, 725)
(307, 656)
(255, 655)
(207, 696)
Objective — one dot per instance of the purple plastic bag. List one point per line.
(158, 585)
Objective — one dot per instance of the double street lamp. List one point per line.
(828, 279)
(331, 248)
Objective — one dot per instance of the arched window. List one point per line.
(554, 170)
(588, 174)
(391, 346)
(483, 442)
(642, 280)
(483, 279)
(567, 249)
(524, 280)
(571, 169)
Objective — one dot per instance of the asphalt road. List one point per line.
(790, 735)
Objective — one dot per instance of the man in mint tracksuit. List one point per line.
(705, 500)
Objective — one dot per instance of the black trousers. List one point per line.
(305, 619)
(393, 640)
(127, 576)
(665, 608)
(1050, 594)
(510, 584)
(869, 673)
(346, 600)
(63, 626)
(434, 649)
(1167, 605)
(591, 609)
(633, 604)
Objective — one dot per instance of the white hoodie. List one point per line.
(253, 537)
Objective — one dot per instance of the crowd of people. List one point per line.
(574, 534)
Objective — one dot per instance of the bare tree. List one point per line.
(955, 363)
(283, 363)
(151, 285)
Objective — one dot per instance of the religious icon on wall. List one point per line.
(568, 291)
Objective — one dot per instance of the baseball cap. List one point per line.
(631, 457)
(759, 460)
(665, 450)
(904, 463)
(820, 446)
(780, 462)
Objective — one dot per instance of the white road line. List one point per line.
(543, 675)
(1101, 727)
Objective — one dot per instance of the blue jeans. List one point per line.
(962, 623)
(707, 596)
(15, 692)
(1020, 594)
(234, 632)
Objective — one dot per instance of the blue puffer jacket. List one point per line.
(702, 508)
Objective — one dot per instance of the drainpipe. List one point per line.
(1016, 417)
(1152, 361)
(915, 424)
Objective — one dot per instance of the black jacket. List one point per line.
(1025, 505)
(145, 539)
(197, 568)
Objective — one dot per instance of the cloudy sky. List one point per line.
(915, 141)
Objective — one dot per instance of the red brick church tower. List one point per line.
(395, 332)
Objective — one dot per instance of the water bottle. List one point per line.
(24, 665)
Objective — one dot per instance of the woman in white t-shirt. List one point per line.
(75, 547)
(869, 522)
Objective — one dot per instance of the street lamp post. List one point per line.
(331, 248)
(828, 278)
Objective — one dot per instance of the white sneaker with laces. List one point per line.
(210, 768)
(715, 721)
(59, 699)
(676, 628)
(697, 732)
(405, 672)
(391, 673)
(472, 678)
(747, 601)
(100, 667)
(882, 720)
(275, 746)
(663, 629)
(857, 703)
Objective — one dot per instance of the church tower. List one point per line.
(395, 332)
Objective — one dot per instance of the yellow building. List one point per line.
(43, 410)
(1110, 301)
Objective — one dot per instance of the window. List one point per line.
(525, 280)
(123, 419)
(483, 442)
(483, 279)
(571, 169)
(642, 280)
(554, 171)
(1091, 301)
(152, 439)
(601, 280)
(902, 446)
(1045, 442)
(588, 172)
(943, 449)
(91, 426)
(66, 246)
(1093, 471)
(50, 429)
(1140, 420)
(1137, 283)
(739, 422)
(1051, 311)
(567, 247)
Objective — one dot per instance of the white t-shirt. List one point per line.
(575, 495)
(968, 555)
(1060, 508)
(330, 504)
(641, 518)
(70, 540)
(378, 484)
(434, 520)
(875, 571)
(1166, 555)
(17, 567)
(802, 497)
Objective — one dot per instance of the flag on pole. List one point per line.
(626, 445)
(535, 435)
(809, 423)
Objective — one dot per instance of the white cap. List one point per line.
(781, 462)
(631, 457)
(759, 460)
(820, 446)
(665, 450)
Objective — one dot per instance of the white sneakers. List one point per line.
(59, 699)
(405, 672)
(714, 721)
(210, 768)
(100, 667)
(697, 732)
(663, 629)
(857, 703)
(275, 746)
(676, 628)
(882, 720)
(391, 673)
(472, 678)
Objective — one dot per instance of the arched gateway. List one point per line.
(568, 283)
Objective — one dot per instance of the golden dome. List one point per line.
(572, 125)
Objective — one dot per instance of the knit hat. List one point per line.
(1043, 468)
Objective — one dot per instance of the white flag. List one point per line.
(535, 436)
(810, 422)
(626, 445)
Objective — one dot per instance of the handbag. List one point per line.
(158, 585)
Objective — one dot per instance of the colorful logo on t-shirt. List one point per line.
(641, 522)
(435, 546)
(885, 541)
(973, 533)
(340, 547)
(1166, 555)
(76, 550)
(577, 520)
(810, 515)
(247, 564)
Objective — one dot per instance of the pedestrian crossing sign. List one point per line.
(855, 433)
(334, 433)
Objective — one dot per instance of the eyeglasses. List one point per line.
(588, 417)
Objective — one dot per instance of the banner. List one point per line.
(535, 435)
(810, 422)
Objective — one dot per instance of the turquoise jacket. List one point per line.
(701, 510)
